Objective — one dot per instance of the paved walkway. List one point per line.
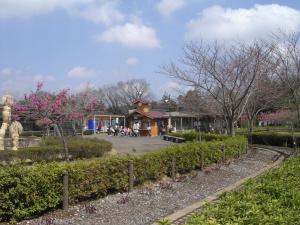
(137, 144)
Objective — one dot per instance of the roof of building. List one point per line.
(156, 114)
(151, 114)
(142, 101)
(192, 114)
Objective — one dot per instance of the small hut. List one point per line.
(151, 122)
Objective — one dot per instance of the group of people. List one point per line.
(123, 131)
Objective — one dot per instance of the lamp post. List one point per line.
(167, 101)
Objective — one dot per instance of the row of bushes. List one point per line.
(52, 150)
(192, 135)
(27, 191)
(275, 139)
(272, 199)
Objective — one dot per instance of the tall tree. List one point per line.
(120, 97)
(225, 72)
(287, 55)
(194, 101)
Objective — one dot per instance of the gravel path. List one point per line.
(147, 204)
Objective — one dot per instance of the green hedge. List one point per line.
(88, 132)
(271, 199)
(27, 191)
(192, 135)
(52, 150)
(275, 139)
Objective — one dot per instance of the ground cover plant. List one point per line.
(27, 191)
(52, 149)
(272, 199)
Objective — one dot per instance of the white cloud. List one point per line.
(81, 72)
(106, 13)
(132, 35)
(6, 72)
(84, 86)
(97, 11)
(174, 88)
(21, 8)
(132, 61)
(167, 7)
(226, 24)
(16, 82)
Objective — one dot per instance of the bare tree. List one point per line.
(226, 73)
(288, 70)
(120, 97)
(135, 89)
(112, 99)
(266, 96)
(194, 101)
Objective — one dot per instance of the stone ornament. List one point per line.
(15, 128)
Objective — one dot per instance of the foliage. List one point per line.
(52, 150)
(192, 135)
(88, 132)
(272, 199)
(275, 139)
(45, 108)
(164, 222)
(31, 190)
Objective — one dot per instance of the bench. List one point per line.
(173, 139)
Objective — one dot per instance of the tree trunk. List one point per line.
(250, 130)
(82, 127)
(56, 130)
(298, 115)
(65, 144)
(230, 127)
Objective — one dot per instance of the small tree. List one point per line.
(47, 110)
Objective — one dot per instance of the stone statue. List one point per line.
(7, 101)
(2, 134)
(16, 127)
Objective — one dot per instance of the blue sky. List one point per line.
(68, 43)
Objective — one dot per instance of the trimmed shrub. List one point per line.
(52, 150)
(192, 136)
(27, 191)
(275, 139)
(88, 132)
(273, 198)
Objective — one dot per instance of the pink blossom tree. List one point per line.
(279, 117)
(47, 110)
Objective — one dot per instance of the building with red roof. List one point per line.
(151, 122)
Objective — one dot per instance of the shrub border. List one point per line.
(30, 191)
